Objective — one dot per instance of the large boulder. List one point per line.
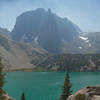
(87, 93)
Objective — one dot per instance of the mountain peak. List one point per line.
(47, 26)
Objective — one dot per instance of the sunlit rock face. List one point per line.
(87, 93)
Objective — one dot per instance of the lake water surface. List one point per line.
(46, 85)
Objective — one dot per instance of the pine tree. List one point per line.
(66, 88)
(23, 96)
(2, 81)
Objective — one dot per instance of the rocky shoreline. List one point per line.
(87, 93)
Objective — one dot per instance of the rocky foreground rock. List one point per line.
(87, 93)
(6, 97)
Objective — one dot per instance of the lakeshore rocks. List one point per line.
(87, 93)
(6, 97)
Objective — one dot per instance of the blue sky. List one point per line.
(84, 13)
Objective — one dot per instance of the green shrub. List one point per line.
(80, 96)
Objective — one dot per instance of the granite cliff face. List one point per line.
(45, 27)
(87, 93)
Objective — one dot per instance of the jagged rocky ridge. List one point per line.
(4, 31)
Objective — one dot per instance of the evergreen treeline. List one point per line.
(70, 62)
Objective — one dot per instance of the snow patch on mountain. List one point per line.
(36, 40)
(86, 40)
(80, 47)
(83, 38)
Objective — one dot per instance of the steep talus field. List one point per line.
(17, 54)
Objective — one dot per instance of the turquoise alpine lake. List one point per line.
(46, 85)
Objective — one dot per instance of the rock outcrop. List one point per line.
(6, 97)
(87, 93)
